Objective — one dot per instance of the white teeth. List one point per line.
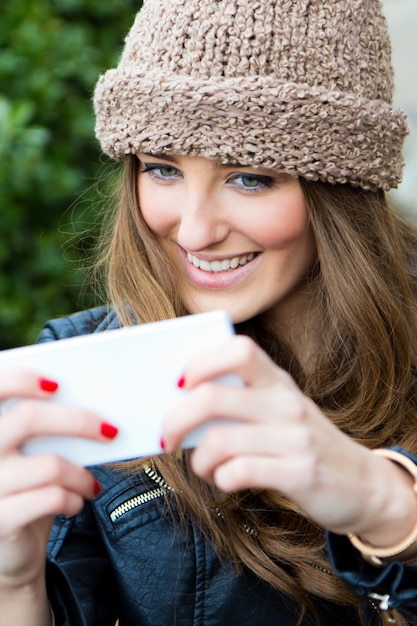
(216, 266)
(204, 265)
(220, 266)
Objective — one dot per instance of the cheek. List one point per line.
(287, 224)
(153, 209)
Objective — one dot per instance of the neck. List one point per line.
(295, 323)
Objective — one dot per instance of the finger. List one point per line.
(208, 401)
(33, 418)
(331, 508)
(239, 355)
(22, 509)
(259, 472)
(223, 443)
(19, 473)
(211, 401)
(25, 384)
(247, 472)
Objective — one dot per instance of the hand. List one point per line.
(281, 441)
(34, 489)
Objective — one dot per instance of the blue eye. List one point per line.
(167, 170)
(160, 171)
(252, 182)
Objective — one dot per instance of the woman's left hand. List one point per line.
(281, 440)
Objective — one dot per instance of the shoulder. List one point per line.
(132, 506)
(82, 323)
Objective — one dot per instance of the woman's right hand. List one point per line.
(33, 489)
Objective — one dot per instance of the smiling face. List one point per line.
(238, 237)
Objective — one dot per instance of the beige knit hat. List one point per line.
(304, 86)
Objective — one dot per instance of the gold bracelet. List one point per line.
(405, 550)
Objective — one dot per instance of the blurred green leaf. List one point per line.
(51, 54)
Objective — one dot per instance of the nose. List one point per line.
(203, 222)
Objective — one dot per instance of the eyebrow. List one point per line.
(216, 163)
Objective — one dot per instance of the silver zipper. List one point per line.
(142, 498)
(157, 478)
(164, 487)
(324, 570)
(250, 530)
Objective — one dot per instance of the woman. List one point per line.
(258, 142)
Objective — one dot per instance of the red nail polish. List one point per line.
(181, 382)
(96, 488)
(108, 430)
(162, 443)
(48, 385)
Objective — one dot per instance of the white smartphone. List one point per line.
(127, 376)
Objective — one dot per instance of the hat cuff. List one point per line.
(306, 131)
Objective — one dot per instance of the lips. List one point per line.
(217, 266)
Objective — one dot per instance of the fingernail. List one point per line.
(108, 430)
(48, 385)
(162, 443)
(96, 488)
(181, 382)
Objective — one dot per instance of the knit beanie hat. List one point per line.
(303, 86)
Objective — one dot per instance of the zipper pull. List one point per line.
(384, 601)
(389, 616)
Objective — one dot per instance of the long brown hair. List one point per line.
(364, 378)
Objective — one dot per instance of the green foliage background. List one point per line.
(51, 53)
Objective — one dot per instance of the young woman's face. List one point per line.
(238, 238)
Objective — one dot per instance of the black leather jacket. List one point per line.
(127, 556)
